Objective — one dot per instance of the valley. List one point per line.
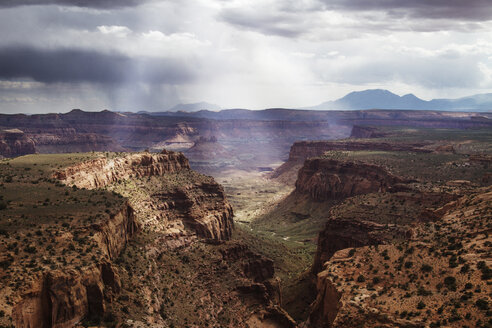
(257, 222)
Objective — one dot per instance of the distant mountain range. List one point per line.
(384, 99)
(194, 107)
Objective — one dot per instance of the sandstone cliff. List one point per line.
(77, 277)
(324, 179)
(100, 172)
(350, 233)
(378, 286)
(61, 297)
(14, 143)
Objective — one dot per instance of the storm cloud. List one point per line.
(78, 65)
(105, 4)
(151, 54)
(474, 10)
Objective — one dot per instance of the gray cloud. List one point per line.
(472, 10)
(76, 65)
(292, 19)
(272, 23)
(103, 4)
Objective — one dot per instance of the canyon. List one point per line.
(302, 231)
(173, 209)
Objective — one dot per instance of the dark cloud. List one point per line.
(276, 23)
(104, 4)
(470, 10)
(73, 66)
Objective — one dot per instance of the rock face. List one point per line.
(14, 143)
(353, 292)
(198, 205)
(325, 308)
(60, 298)
(324, 179)
(102, 171)
(202, 207)
(68, 140)
(350, 233)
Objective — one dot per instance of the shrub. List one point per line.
(361, 278)
(450, 283)
(482, 304)
(426, 268)
(421, 305)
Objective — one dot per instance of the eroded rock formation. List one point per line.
(62, 297)
(324, 179)
(379, 287)
(14, 143)
(100, 172)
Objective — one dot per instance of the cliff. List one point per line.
(414, 283)
(61, 297)
(341, 233)
(100, 172)
(14, 143)
(324, 179)
(67, 271)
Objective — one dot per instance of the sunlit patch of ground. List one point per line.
(251, 193)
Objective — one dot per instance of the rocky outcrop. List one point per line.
(354, 292)
(255, 266)
(113, 234)
(325, 308)
(100, 172)
(198, 205)
(350, 233)
(202, 207)
(14, 143)
(63, 297)
(324, 179)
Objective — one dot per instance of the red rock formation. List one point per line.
(15, 143)
(255, 266)
(325, 308)
(61, 298)
(100, 172)
(324, 179)
(350, 233)
(202, 207)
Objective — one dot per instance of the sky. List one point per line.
(133, 55)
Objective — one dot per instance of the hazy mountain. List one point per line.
(194, 107)
(384, 99)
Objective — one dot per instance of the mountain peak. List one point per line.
(194, 107)
(384, 99)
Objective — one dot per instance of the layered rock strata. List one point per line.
(324, 179)
(100, 172)
(14, 142)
